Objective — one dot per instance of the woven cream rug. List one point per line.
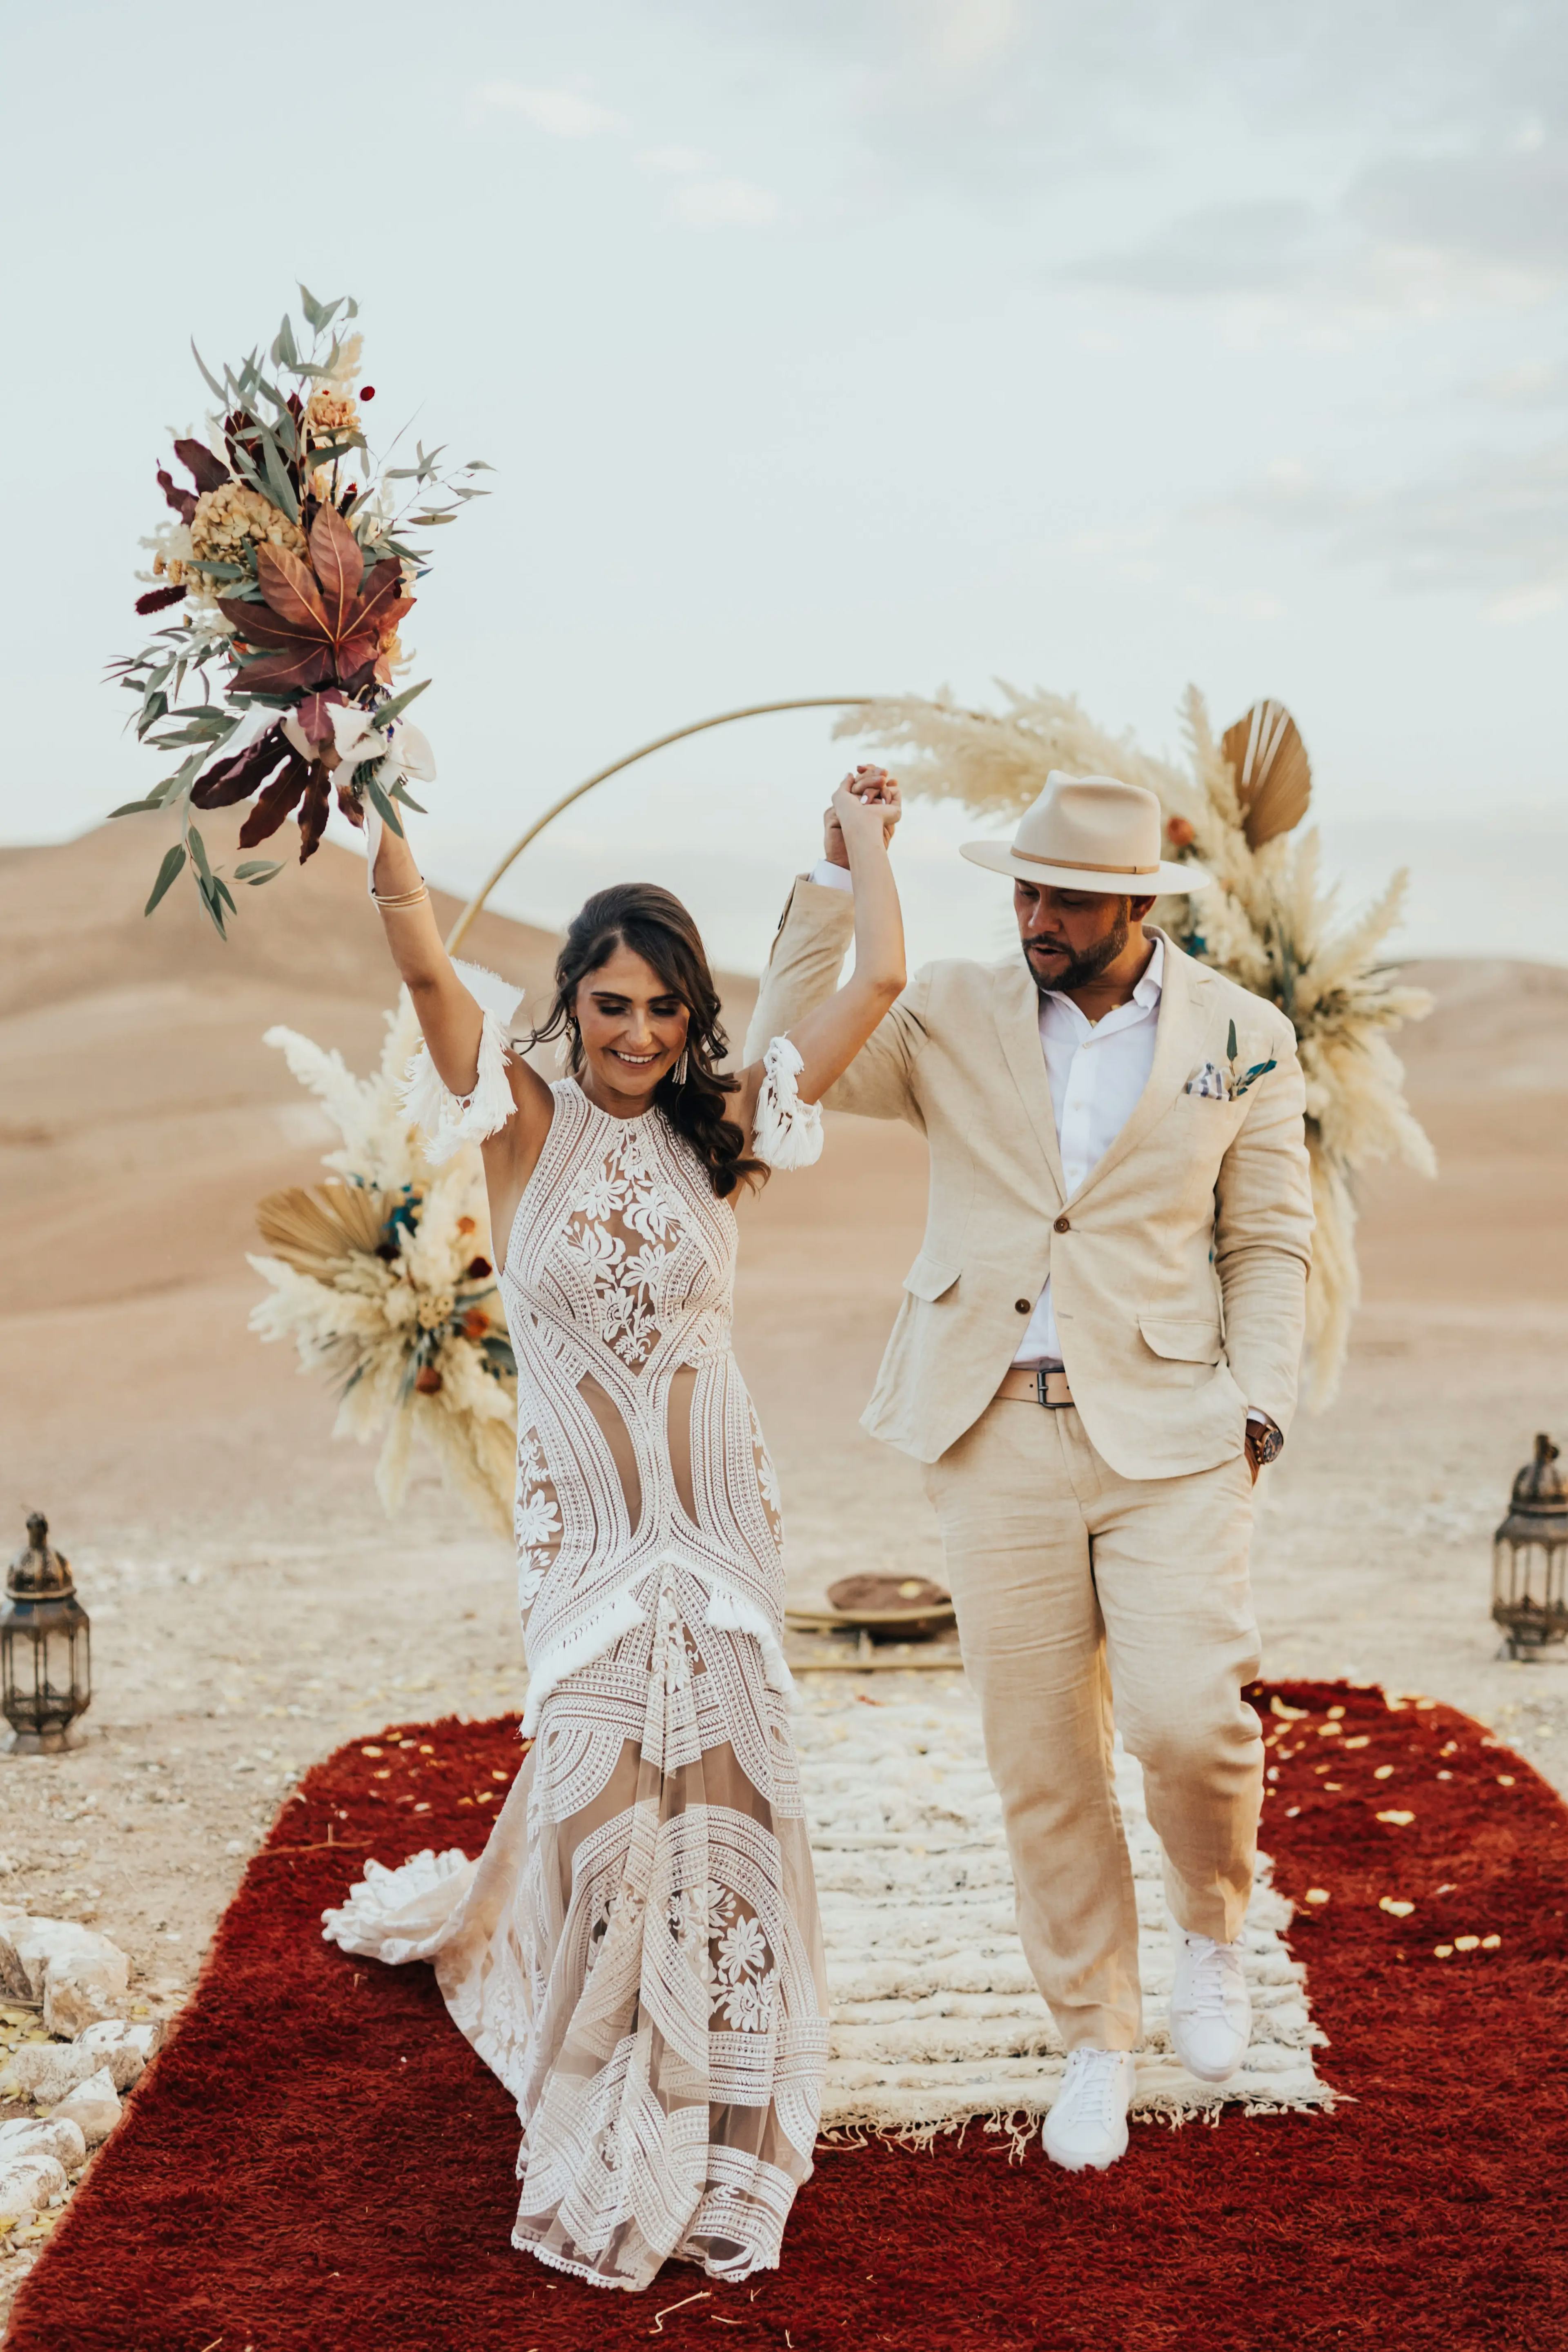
(936, 2017)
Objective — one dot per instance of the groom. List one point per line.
(1095, 1356)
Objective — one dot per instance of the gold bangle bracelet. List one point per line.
(391, 901)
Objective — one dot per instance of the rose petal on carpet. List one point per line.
(318, 2162)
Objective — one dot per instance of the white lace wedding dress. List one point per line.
(636, 1953)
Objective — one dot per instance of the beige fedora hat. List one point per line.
(1090, 833)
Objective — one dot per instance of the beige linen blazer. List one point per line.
(1178, 1270)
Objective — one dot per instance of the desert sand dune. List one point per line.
(252, 1605)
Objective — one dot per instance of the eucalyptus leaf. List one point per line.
(400, 792)
(245, 466)
(316, 313)
(134, 808)
(282, 487)
(214, 906)
(213, 386)
(256, 870)
(383, 807)
(198, 851)
(396, 704)
(173, 861)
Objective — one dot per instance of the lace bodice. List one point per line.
(619, 1285)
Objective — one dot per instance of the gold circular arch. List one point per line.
(724, 719)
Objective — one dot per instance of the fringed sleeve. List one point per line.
(446, 1120)
(787, 1132)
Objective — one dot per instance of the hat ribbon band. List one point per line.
(1082, 864)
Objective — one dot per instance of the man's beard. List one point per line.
(1080, 969)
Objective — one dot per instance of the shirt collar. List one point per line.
(1153, 981)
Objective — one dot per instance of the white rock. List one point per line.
(54, 2136)
(93, 2107)
(25, 2183)
(123, 2049)
(48, 2071)
(77, 1974)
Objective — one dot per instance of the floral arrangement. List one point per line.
(291, 559)
(1267, 921)
(383, 1279)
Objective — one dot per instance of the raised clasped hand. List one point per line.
(868, 797)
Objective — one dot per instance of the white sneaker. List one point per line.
(1088, 2125)
(1211, 2009)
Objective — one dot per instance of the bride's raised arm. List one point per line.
(480, 1084)
(823, 1042)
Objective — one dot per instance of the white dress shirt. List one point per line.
(1097, 1072)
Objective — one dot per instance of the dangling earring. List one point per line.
(566, 1046)
(678, 1073)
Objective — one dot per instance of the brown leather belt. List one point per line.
(1047, 1388)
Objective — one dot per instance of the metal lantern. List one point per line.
(1529, 1557)
(46, 1664)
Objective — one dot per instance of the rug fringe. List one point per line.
(1021, 2121)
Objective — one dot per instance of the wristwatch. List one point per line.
(1267, 1439)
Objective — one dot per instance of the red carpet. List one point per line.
(318, 2163)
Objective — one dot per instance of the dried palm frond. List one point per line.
(317, 1227)
(1273, 774)
(1267, 921)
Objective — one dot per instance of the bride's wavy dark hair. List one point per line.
(654, 924)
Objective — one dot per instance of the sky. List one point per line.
(838, 347)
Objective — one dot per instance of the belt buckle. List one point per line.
(1041, 1374)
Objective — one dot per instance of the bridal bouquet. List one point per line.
(288, 567)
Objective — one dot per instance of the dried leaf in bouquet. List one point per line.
(316, 1228)
(1273, 776)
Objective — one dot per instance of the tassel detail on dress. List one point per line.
(446, 1120)
(786, 1132)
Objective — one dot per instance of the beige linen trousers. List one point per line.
(1098, 1555)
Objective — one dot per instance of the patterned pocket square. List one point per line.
(1208, 1079)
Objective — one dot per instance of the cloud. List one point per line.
(1406, 233)
(725, 203)
(704, 200)
(1394, 156)
(563, 113)
(1535, 384)
(678, 160)
(1494, 525)
(1218, 250)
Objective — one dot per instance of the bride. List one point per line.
(637, 1954)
